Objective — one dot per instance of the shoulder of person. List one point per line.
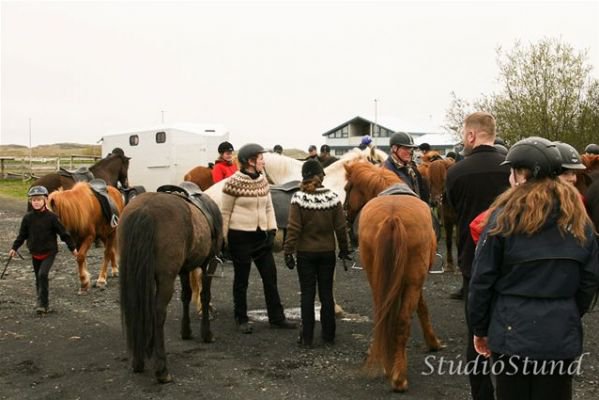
(321, 199)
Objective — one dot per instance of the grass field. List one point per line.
(14, 188)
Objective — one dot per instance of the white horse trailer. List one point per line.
(162, 155)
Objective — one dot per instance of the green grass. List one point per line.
(14, 188)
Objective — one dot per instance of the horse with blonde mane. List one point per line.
(81, 214)
(396, 264)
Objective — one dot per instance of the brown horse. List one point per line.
(81, 213)
(113, 170)
(437, 175)
(396, 264)
(584, 178)
(201, 176)
(161, 236)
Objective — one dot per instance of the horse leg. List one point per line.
(185, 299)
(164, 292)
(195, 280)
(432, 341)
(84, 276)
(111, 243)
(108, 257)
(206, 296)
(409, 302)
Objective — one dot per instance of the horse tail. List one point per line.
(388, 267)
(137, 282)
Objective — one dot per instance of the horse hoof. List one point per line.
(400, 386)
(115, 274)
(100, 284)
(186, 336)
(339, 312)
(83, 291)
(209, 338)
(168, 378)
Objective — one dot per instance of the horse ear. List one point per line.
(127, 158)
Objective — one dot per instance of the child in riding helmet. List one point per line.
(39, 228)
(224, 166)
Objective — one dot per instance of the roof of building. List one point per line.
(395, 124)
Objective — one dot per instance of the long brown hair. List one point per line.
(526, 207)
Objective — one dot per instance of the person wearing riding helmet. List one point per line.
(249, 227)
(325, 156)
(315, 218)
(592, 149)
(401, 164)
(570, 162)
(365, 142)
(278, 149)
(535, 274)
(39, 228)
(224, 166)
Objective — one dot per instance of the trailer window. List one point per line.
(133, 140)
(160, 137)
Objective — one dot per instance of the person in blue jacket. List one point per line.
(535, 274)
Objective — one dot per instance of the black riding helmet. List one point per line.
(500, 141)
(311, 168)
(592, 149)
(225, 146)
(537, 154)
(37, 191)
(570, 157)
(402, 139)
(501, 148)
(248, 151)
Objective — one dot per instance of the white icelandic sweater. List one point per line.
(247, 205)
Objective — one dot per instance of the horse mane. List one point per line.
(282, 168)
(75, 208)
(371, 179)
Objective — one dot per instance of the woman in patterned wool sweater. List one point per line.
(315, 217)
(249, 228)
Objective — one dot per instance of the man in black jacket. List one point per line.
(472, 185)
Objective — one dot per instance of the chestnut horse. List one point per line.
(80, 212)
(396, 264)
(161, 236)
(201, 176)
(437, 171)
(113, 170)
(584, 178)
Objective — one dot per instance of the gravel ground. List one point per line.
(78, 351)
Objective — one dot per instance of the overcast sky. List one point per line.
(271, 72)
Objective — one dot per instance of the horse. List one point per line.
(113, 170)
(201, 176)
(592, 201)
(81, 213)
(584, 178)
(437, 175)
(160, 236)
(396, 264)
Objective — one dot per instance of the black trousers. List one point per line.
(246, 247)
(317, 269)
(518, 380)
(481, 385)
(41, 268)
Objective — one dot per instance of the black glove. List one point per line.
(289, 261)
(345, 255)
(270, 238)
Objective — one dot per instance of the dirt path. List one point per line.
(78, 351)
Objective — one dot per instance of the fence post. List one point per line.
(71, 163)
(23, 168)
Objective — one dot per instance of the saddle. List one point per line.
(398, 189)
(281, 200)
(82, 174)
(109, 209)
(194, 195)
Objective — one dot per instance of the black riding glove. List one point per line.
(270, 238)
(289, 261)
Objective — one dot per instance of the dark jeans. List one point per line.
(317, 269)
(481, 385)
(246, 247)
(515, 382)
(41, 268)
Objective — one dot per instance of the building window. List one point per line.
(344, 132)
(133, 140)
(160, 137)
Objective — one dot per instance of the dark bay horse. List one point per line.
(437, 171)
(160, 236)
(81, 213)
(397, 247)
(113, 170)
